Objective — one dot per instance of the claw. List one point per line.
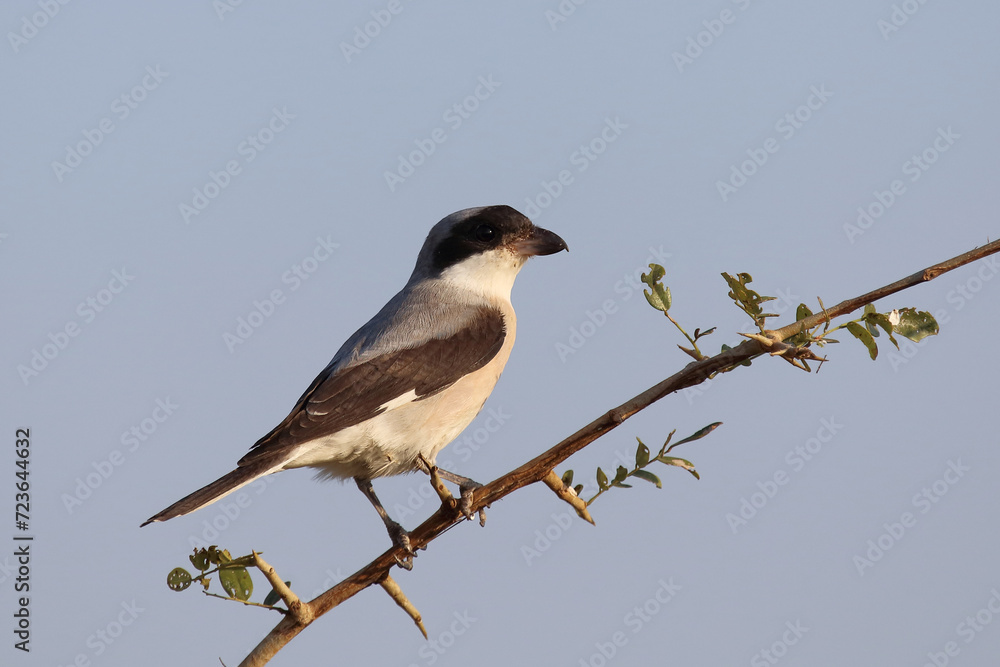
(465, 504)
(400, 538)
(466, 488)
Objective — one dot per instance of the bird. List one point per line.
(414, 376)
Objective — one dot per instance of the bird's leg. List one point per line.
(400, 538)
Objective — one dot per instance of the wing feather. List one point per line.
(352, 394)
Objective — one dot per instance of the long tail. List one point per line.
(217, 489)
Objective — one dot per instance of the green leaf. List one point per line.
(567, 478)
(698, 435)
(875, 320)
(656, 273)
(869, 314)
(602, 480)
(641, 455)
(659, 298)
(746, 299)
(649, 477)
(237, 582)
(802, 312)
(578, 489)
(862, 334)
(680, 463)
(916, 325)
(273, 598)
(658, 294)
(178, 579)
(698, 333)
(200, 559)
(738, 290)
(620, 476)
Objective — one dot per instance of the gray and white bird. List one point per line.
(412, 378)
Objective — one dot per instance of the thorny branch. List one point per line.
(541, 467)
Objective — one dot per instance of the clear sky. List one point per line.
(202, 200)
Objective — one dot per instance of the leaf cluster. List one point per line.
(234, 577)
(749, 301)
(643, 458)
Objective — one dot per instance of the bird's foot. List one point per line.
(465, 504)
(466, 487)
(401, 540)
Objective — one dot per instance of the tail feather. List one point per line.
(214, 491)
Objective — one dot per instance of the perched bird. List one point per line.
(412, 378)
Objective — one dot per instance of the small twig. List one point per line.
(554, 482)
(396, 593)
(447, 499)
(299, 610)
(246, 602)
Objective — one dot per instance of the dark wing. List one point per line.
(357, 393)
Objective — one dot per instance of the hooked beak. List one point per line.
(541, 242)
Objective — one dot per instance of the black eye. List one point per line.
(485, 233)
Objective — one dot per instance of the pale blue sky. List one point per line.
(170, 170)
